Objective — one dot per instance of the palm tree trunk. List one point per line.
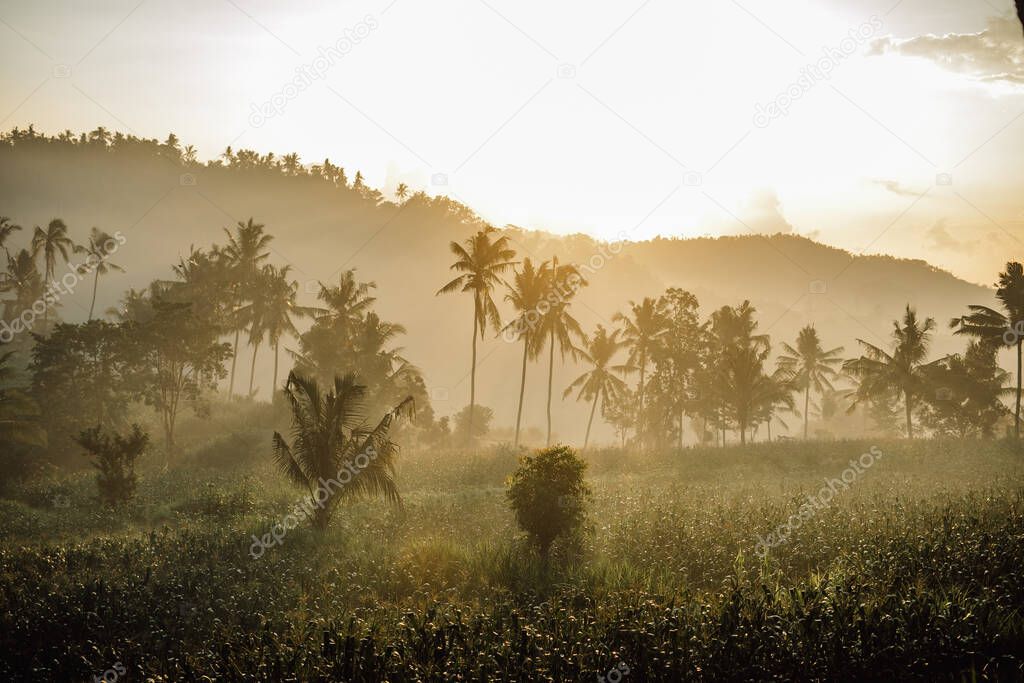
(770, 431)
(95, 284)
(472, 376)
(1016, 414)
(682, 416)
(593, 409)
(234, 358)
(551, 381)
(277, 352)
(522, 387)
(640, 397)
(807, 398)
(910, 408)
(252, 369)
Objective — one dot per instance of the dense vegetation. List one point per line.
(914, 572)
(249, 541)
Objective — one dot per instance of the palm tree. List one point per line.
(810, 366)
(280, 310)
(737, 364)
(600, 382)
(22, 279)
(556, 323)
(99, 247)
(999, 329)
(349, 301)
(481, 260)
(50, 242)
(402, 192)
(244, 254)
(525, 294)
(642, 332)
(331, 439)
(903, 372)
(6, 230)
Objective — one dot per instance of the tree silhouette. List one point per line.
(402, 191)
(810, 366)
(903, 372)
(1001, 329)
(481, 260)
(600, 382)
(99, 247)
(329, 437)
(50, 242)
(280, 309)
(525, 294)
(24, 281)
(245, 255)
(557, 325)
(6, 230)
(738, 372)
(642, 331)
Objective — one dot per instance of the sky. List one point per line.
(880, 127)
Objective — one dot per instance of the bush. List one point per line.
(548, 495)
(114, 457)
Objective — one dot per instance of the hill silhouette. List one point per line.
(326, 220)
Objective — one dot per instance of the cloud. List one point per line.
(896, 188)
(995, 55)
(763, 213)
(939, 237)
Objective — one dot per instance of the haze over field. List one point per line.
(741, 398)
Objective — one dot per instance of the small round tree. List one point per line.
(548, 495)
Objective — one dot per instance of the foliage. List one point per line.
(114, 458)
(330, 437)
(548, 495)
(482, 416)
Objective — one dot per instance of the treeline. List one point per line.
(717, 371)
(170, 345)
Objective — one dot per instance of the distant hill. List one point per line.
(163, 202)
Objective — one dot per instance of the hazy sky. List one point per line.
(897, 127)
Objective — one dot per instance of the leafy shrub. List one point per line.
(548, 495)
(114, 457)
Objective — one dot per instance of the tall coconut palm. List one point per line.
(482, 260)
(244, 253)
(557, 326)
(600, 382)
(525, 294)
(402, 191)
(99, 248)
(280, 311)
(642, 331)
(49, 243)
(810, 366)
(904, 372)
(330, 437)
(1001, 329)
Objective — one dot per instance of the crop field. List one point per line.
(775, 561)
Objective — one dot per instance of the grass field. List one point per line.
(912, 570)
